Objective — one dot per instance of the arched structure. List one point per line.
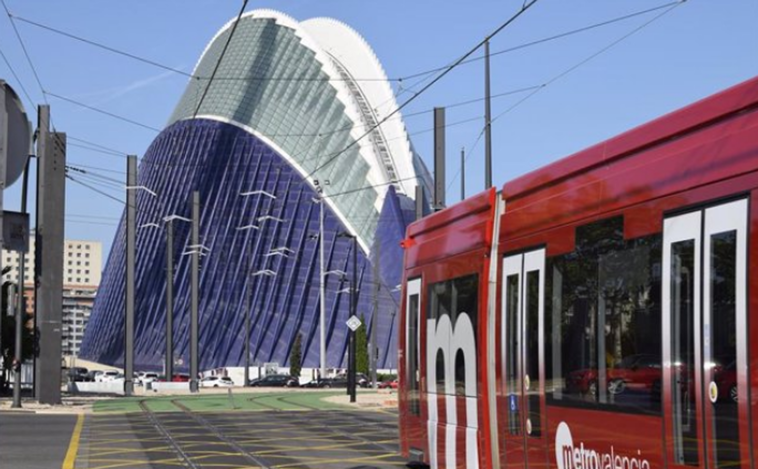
(286, 113)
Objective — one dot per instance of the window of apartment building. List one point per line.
(78, 263)
(70, 271)
(78, 254)
(86, 254)
(86, 246)
(78, 280)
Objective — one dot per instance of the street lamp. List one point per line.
(266, 273)
(353, 307)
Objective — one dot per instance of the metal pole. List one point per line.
(170, 300)
(353, 307)
(463, 173)
(487, 119)
(372, 338)
(322, 289)
(247, 325)
(419, 202)
(194, 371)
(51, 201)
(131, 236)
(20, 306)
(439, 158)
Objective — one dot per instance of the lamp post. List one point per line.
(353, 308)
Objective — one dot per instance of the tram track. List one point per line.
(184, 458)
(247, 455)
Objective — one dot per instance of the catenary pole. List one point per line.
(169, 300)
(51, 199)
(131, 235)
(247, 318)
(463, 173)
(322, 288)
(353, 311)
(487, 119)
(194, 369)
(372, 338)
(21, 303)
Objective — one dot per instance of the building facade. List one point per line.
(287, 127)
(82, 271)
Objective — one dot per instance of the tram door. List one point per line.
(704, 305)
(524, 438)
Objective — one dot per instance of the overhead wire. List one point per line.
(18, 80)
(101, 111)
(26, 52)
(220, 58)
(428, 85)
(668, 7)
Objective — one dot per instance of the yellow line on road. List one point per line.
(73, 446)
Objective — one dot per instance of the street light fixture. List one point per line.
(258, 192)
(269, 217)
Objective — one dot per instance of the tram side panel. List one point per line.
(446, 261)
(646, 360)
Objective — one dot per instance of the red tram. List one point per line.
(594, 314)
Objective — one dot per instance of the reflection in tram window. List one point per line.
(602, 320)
(726, 451)
(455, 298)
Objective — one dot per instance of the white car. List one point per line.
(216, 382)
(107, 376)
(147, 377)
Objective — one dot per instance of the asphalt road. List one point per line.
(318, 439)
(34, 441)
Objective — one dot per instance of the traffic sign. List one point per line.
(353, 323)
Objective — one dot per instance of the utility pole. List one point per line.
(353, 311)
(170, 299)
(487, 119)
(419, 202)
(51, 198)
(194, 371)
(21, 305)
(131, 236)
(439, 158)
(372, 338)
(463, 173)
(322, 286)
(247, 319)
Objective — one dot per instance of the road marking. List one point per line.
(73, 446)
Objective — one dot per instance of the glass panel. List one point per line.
(604, 321)
(726, 449)
(413, 352)
(513, 383)
(683, 353)
(455, 298)
(532, 297)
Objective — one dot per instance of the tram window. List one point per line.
(602, 321)
(455, 298)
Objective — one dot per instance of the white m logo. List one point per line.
(447, 340)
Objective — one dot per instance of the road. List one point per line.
(263, 430)
(34, 441)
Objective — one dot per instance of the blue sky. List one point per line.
(697, 48)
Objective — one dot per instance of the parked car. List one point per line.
(390, 384)
(94, 374)
(78, 373)
(181, 378)
(147, 377)
(275, 381)
(336, 382)
(216, 382)
(107, 376)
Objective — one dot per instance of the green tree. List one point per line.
(361, 348)
(296, 356)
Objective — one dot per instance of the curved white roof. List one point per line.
(310, 90)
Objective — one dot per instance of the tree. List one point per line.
(296, 357)
(361, 348)
(8, 333)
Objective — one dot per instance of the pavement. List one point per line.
(247, 428)
(31, 441)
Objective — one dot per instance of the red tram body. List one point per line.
(594, 314)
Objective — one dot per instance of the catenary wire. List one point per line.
(427, 86)
(18, 80)
(101, 111)
(26, 52)
(220, 58)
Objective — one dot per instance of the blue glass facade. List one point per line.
(221, 161)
